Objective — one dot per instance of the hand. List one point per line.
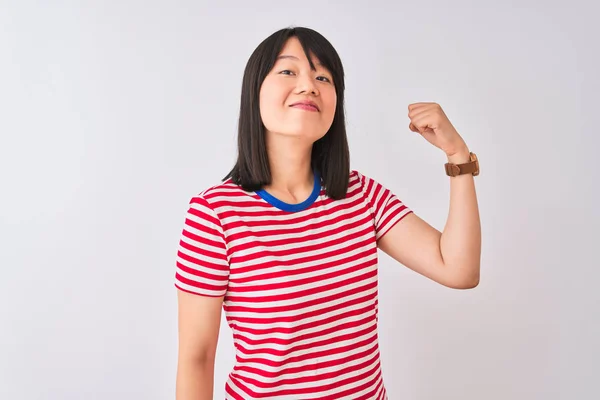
(431, 122)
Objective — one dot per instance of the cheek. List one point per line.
(265, 101)
(264, 96)
(331, 103)
(270, 98)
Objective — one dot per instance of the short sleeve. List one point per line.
(386, 207)
(202, 265)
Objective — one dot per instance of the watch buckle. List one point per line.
(452, 169)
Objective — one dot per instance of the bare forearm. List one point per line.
(195, 380)
(461, 238)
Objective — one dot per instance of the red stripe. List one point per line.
(304, 326)
(196, 293)
(303, 281)
(298, 250)
(292, 218)
(306, 336)
(308, 375)
(279, 228)
(199, 285)
(312, 364)
(306, 315)
(303, 293)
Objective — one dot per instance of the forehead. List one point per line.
(292, 50)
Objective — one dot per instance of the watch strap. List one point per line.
(471, 167)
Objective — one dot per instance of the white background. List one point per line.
(114, 113)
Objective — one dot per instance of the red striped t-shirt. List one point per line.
(299, 285)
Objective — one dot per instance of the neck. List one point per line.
(289, 160)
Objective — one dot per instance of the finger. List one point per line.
(413, 128)
(416, 128)
(422, 122)
(422, 119)
(419, 112)
(416, 106)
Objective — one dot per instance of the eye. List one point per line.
(324, 79)
(286, 72)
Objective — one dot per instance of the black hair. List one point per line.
(330, 154)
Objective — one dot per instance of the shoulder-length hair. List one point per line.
(330, 154)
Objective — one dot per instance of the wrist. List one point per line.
(460, 157)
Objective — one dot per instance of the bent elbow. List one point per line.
(466, 283)
(473, 284)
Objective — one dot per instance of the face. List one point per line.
(294, 100)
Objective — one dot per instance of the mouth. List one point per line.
(305, 105)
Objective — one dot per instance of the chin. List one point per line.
(312, 136)
(301, 131)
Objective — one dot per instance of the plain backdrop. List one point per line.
(114, 113)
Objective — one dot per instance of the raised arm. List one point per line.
(451, 257)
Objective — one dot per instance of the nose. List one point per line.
(306, 84)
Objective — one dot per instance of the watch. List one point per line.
(471, 167)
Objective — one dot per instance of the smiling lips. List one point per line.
(305, 105)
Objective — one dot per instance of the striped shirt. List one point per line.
(299, 283)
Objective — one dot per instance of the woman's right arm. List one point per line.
(199, 320)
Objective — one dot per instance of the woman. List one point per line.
(287, 244)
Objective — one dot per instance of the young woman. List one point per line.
(287, 244)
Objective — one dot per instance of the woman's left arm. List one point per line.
(452, 257)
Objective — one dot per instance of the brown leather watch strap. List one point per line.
(471, 167)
